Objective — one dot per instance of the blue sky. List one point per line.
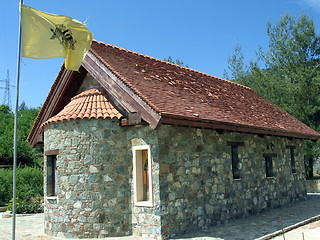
(202, 33)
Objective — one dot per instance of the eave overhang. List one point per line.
(116, 87)
(203, 123)
(63, 89)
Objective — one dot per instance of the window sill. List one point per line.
(271, 178)
(237, 179)
(143, 204)
(52, 198)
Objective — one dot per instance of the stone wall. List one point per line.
(197, 188)
(313, 185)
(93, 179)
(95, 190)
(193, 186)
(146, 221)
(316, 167)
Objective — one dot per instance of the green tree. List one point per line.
(26, 117)
(5, 109)
(287, 73)
(236, 65)
(6, 134)
(177, 61)
(23, 106)
(293, 55)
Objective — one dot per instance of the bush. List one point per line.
(5, 186)
(32, 206)
(29, 182)
(29, 187)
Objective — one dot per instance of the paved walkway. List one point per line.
(261, 226)
(307, 232)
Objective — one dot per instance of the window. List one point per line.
(235, 158)
(235, 162)
(269, 168)
(51, 175)
(269, 163)
(292, 160)
(142, 176)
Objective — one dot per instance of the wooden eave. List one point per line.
(63, 89)
(202, 123)
(116, 87)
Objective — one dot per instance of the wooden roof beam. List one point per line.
(124, 95)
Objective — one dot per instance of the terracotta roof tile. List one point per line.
(88, 104)
(173, 90)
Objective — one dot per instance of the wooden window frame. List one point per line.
(268, 158)
(138, 176)
(51, 180)
(235, 160)
(292, 159)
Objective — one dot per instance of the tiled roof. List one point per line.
(175, 91)
(88, 104)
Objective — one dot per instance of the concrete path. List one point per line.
(308, 232)
(301, 216)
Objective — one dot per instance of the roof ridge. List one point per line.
(169, 63)
(88, 92)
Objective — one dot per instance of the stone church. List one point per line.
(138, 146)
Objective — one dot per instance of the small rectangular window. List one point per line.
(235, 162)
(142, 176)
(51, 175)
(292, 160)
(269, 167)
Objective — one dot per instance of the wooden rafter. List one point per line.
(125, 96)
(63, 89)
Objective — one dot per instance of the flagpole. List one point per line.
(14, 178)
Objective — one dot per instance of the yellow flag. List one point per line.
(46, 35)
